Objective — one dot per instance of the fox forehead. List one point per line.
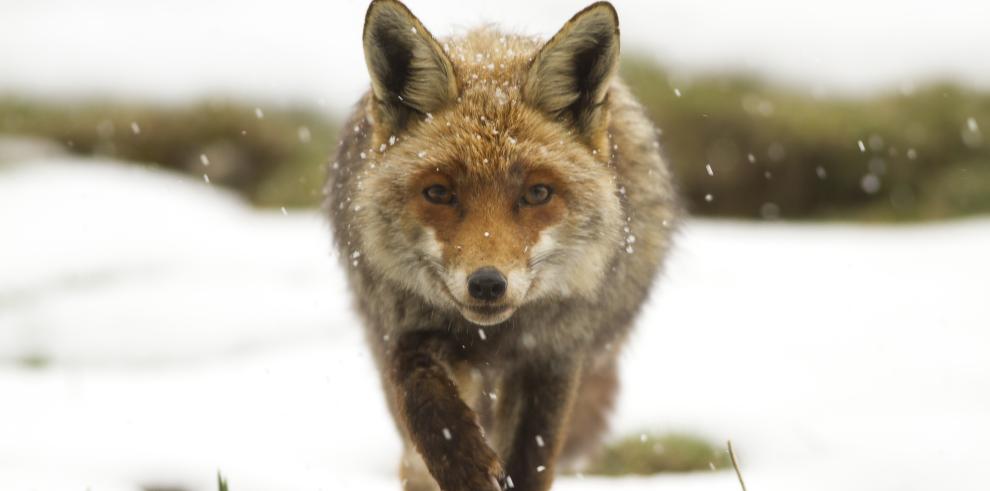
(486, 56)
(487, 136)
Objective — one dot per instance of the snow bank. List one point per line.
(187, 332)
(110, 263)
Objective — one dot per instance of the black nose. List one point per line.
(486, 284)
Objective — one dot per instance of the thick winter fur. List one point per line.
(495, 393)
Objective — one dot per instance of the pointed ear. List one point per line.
(569, 78)
(408, 68)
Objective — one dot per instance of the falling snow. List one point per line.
(770, 211)
(870, 183)
(500, 97)
(305, 136)
(876, 142)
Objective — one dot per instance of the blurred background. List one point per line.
(169, 303)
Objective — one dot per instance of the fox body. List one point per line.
(501, 208)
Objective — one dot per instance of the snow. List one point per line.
(186, 332)
(96, 246)
(309, 51)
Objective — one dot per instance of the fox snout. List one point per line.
(487, 284)
(488, 295)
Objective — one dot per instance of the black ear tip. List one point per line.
(601, 14)
(602, 8)
(382, 3)
(378, 6)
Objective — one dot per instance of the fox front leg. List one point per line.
(444, 430)
(531, 418)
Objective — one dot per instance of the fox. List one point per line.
(501, 207)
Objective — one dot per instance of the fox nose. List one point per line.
(486, 284)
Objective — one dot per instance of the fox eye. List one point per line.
(439, 195)
(537, 195)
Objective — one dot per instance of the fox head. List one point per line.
(487, 185)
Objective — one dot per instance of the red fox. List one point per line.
(501, 208)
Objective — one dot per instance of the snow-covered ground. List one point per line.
(306, 51)
(185, 332)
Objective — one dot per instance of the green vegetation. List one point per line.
(776, 152)
(34, 361)
(652, 454)
(907, 155)
(277, 159)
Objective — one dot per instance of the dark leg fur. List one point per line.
(443, 428)
(531, 419)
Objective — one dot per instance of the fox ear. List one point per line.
(408, 68)
(569, 78)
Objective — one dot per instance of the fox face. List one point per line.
(487, 184)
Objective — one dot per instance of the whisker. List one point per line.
(436, 263)
(545, 257)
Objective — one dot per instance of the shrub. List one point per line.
(780, 152)
(652, 454)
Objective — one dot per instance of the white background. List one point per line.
(305, 51)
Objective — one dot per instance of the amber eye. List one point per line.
(537, 195)
(438, 194)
